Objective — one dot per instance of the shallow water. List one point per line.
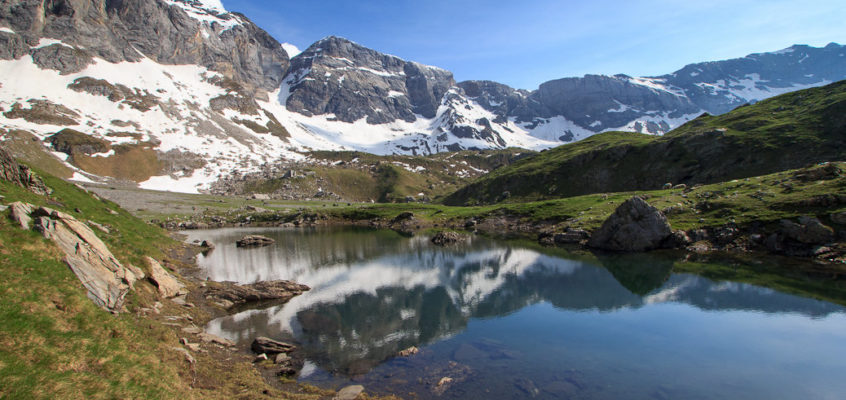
(502, 320)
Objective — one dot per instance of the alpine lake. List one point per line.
(499, 319)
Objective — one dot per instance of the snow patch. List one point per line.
(291, 49)
(5, 29)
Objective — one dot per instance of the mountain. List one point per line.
(177, 94)
(785, 132)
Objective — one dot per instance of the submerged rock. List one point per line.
(254, 241)
(349, 392)
(634, 226)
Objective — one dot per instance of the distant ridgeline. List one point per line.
(785, 132)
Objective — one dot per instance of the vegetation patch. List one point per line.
(134, 162)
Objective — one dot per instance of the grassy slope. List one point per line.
(761, 200)
(55, 343)
(784, 132)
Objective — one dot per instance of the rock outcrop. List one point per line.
(172, 32)
(21, 175)
(634, 226)
(107, 280)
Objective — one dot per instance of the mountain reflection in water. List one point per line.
(375, 293)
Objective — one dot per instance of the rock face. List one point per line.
(106, 279)
(167, 284)
(634, 226)
(234, 294)
(340, 77)
(171, 32)
(254, 241)
(21, 175)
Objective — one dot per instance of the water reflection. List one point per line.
(375, 293)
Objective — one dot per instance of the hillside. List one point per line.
(788, 131)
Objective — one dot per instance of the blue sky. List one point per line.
(524, 43)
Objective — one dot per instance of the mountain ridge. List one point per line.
(202, 94)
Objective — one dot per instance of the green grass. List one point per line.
(788, 131)
(55, 342)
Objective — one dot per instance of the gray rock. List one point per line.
(634, 226)
(20, 214)
(571, 236)
(106, 279)
(168, 285)
(64, 59)
(349, 392)
(839, 218)
(269, 346)
(21, 175)
(445, 238)
(210, 338)
(809, 231)
(231, 293)
(254, 241)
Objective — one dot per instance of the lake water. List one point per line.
(505, 320)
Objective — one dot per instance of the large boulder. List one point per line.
(167, 284)
(254, 241)
(106, 279)
(231, 293)
(634, 226)
(809, 230)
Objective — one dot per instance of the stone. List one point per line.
(680, 186)
(408, 352)
(99, 227)
(261, 357)
(667, 185)
(634, 226)
(349, 392)
(809, 230)
(192, 330)
(105, 278)
(20, 214)
(185, 353)
(230, 293)
(281, 358)
(168, 285)
(254, 241)
(445, 238)
(266, 345)
(210, 338)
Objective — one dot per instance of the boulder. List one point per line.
(106, 279)
(231, 294)
(809, 230)
(167, 284)
(264, 345)
(445, 238)
(209, 338)
(349, 392)
(254, 241)
(634, 226)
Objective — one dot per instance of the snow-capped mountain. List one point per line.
(199, 93)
